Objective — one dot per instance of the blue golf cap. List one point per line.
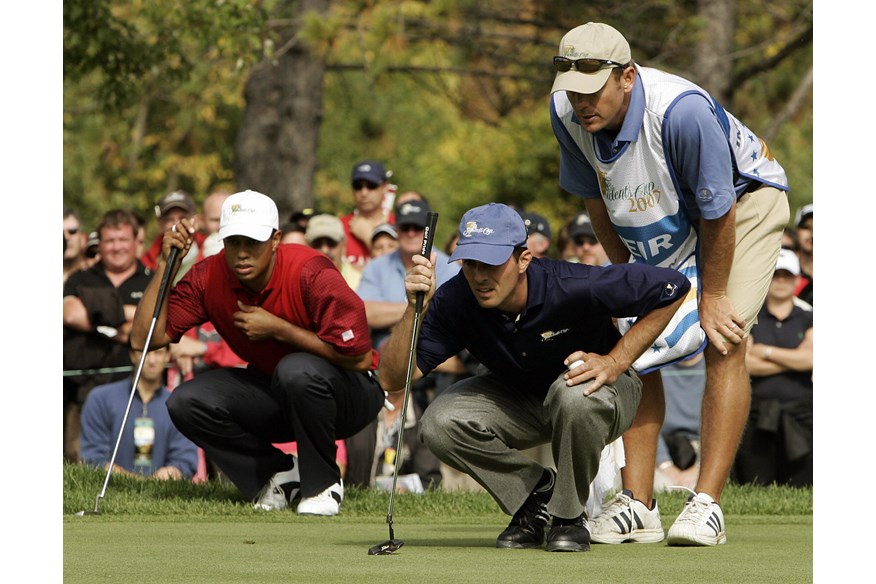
(489, 234)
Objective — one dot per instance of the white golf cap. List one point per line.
(788, 261)
(250, 214)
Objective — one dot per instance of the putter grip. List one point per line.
(426, 250)
(165, 281)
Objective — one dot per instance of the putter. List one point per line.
(392, 545)
(162, 291)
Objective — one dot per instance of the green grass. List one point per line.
(184, 533)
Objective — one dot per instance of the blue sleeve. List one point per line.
(627, 290)
(576, 175)
(369, 286)
(96, 435)
(701, 155)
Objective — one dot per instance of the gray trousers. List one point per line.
(480, 426)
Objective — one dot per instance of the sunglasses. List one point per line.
(321, 242)
(364, 184)
(582, 239)
(563, 64)
(410, 227)
(72, 230)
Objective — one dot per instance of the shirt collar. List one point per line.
(632, 124)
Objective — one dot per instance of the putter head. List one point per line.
(386, 548)
(84, 512)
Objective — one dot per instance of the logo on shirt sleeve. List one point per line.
(669, 291)
(347, 335)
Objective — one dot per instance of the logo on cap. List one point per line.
(472, 227)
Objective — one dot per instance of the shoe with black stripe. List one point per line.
(280, 490)
(626, 519)
(526, 529)
(326, 503)
(701, 523)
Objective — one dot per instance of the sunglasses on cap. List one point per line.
(563, 64)
(364, 184)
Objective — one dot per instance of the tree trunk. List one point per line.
(713, 67)
(276, 148)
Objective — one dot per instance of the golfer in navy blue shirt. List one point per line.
(554, 370)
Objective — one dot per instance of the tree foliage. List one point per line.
(450, 94)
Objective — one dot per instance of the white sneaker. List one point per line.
(626, 519)
(280, 490)
(701, 523)
(327, 503)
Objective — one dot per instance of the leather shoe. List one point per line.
(526, 529)
(569, 535)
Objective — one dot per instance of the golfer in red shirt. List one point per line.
(287, 311)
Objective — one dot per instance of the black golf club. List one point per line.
(392, 545)
(162, 290)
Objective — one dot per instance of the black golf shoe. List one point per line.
(569, 535)
(526, 529)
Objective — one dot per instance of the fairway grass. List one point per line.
(182, 533)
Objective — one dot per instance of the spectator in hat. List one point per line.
(287, 311)
(326, 233)
(170, 210)
(539, 230)
(777, 443)
(588, 250)
(803, 222)
(382, 285)
(527, 320)
(384, 240)
(371, 188)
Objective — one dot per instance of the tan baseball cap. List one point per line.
(324, 225)
(593, 40)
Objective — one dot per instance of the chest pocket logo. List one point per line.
(549, 335)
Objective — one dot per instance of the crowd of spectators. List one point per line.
(106, 271)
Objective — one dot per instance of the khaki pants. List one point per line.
(760, 218)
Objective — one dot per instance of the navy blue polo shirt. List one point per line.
(569, 308)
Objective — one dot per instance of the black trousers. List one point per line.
(777, 445)
(236, 414)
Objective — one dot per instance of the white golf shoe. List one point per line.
(280, 490)
(327, 503)
(626, 519)
(701, 523)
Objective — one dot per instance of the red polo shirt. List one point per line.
(305, 289)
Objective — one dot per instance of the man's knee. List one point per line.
(180, 405)
(297, 372)
(436, 427)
